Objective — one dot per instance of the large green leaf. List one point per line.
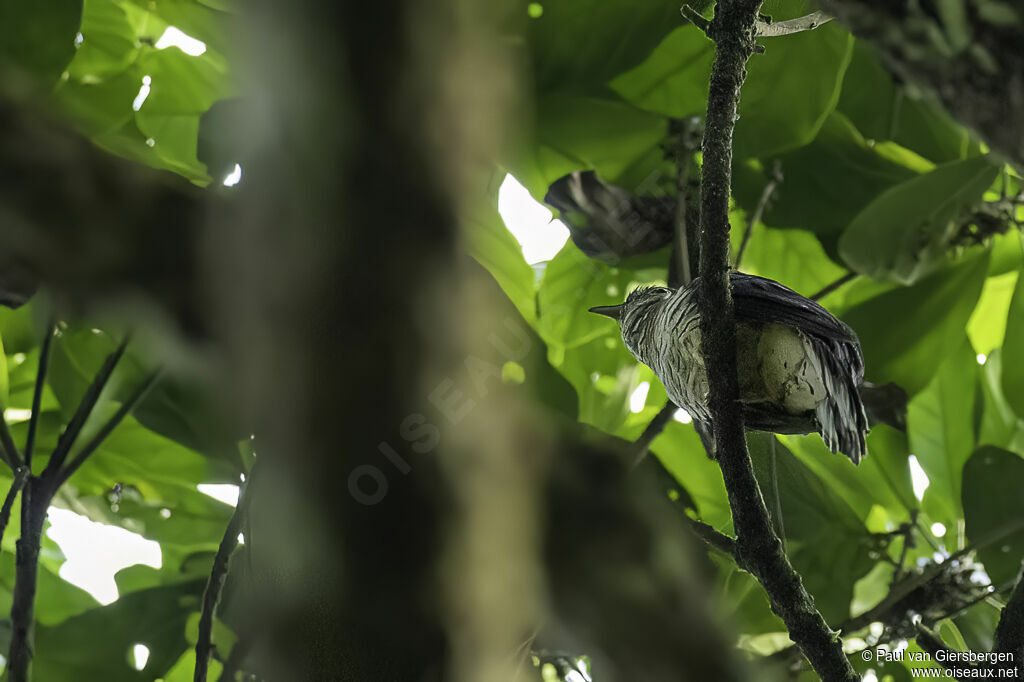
(586, 348)
(493, 246)
(826, 541)
(940, 424)
(780, 113)
(994, 510)
(673, 80)
(179, 407)
(1013, 347)
(999, 424)
(109, 42)
(680, 450)
(828, 182)
(776, 114)
(883, 110)
(793, 257)
(98, 644)
(906, 333)
(575, 132)
(576, 43)
(881, 480)
(906, 231)
(987, 326)
(39, 37)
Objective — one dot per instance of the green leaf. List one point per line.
(999, 425)
(881, 480)
(987, 325)
(181, 83)
(98, 644)
(826, 541)
(99, 106)
(776, 114)
(673, 80)
(1013, 347)
(905, 232)
(828, 182)
(39, 38)
(681, 452)
(994, 510)
(587, 348)
(576, 43)
(882, 110)
(178, 407)
(940, 426)
(493, 246)
(906, 333)
(109, 42)
(793, 257)
(781, 113)
(576, 132)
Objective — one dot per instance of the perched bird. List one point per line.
(799, 368)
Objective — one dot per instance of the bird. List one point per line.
(799, 367)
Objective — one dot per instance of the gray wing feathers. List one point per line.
(763, 300)
(841, 417)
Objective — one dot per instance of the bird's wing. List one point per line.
(763, 300)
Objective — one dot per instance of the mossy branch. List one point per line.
(760, 550)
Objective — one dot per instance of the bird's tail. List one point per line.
(842, 419)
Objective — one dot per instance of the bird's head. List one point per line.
(636, 314)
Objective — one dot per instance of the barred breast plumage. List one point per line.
(799, 367)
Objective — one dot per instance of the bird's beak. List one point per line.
(612, 311)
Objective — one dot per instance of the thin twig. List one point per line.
(759, 548)
(775, 178)
(780, 526)
(716, 539)
(126, 407)
(679, 273)
(642, 445)
(37, 394)
(20, 476)
(829, 288)
(85, 408)
(215, 584)
(8, 450)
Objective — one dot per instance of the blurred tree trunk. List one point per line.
(403, 527)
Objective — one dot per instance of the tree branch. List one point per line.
(642, 445)
(759, 548)
(8, 450)
(766, 196)
(215, 584)
(679, 272)
(37, 395)
(20, 476)
(716, 539)
(829, 288)
(126, 407)
(26, 574)
(85, 407)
